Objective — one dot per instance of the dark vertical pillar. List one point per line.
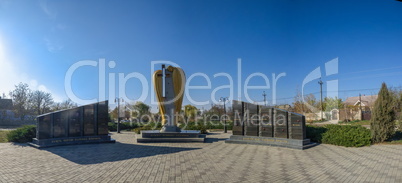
(243, 119)
(258, 120)
(68, 122)
(82, 120)
(37, 127)
(304, 127)
(287, 124)
(96, 118)
(52, 125)
(238, 118)
(64, 115)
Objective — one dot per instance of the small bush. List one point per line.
(347, 135)
(22, 134)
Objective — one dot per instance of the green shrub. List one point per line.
(314, 133)
(22, 134)
(383, 116)
(346, 135)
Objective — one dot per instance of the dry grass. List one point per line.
(3, 136)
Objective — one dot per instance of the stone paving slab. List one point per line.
(214, 161)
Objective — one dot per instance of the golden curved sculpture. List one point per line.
(179, 79)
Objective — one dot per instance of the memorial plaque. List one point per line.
(89, 120)
(103, 118)
(263, 125)
(238, 128)
(251, 120)
(59, 125)
(44, 127)
(280, 123)
(297, 124)
(266, 124)
(73, 126)
(74, 122)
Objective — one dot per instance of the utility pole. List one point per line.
(265, 99)
(224, 99)
(322, 108)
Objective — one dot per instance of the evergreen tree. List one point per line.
(383, 116)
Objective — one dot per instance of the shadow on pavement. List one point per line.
(212, 140)
(110, 152)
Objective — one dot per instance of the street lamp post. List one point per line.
(118, 114)
(265, 99)
(224, 99)
(322, 108)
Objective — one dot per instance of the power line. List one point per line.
(367, 89)
(371, 70)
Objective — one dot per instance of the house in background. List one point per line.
(357, 108)
(6, 111)
(6, 104)
(366, 101)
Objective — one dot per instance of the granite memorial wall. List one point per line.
(84, 124)
(256, 124)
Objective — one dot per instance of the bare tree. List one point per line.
(40, 102)
(20, 96)
(67, 104)
(305, 104)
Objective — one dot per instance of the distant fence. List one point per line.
(15, 123)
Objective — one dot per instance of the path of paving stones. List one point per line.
(215, 161)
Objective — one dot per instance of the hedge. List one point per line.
(22, 134)
(341, 135)
(347, 135)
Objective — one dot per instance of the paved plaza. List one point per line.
(214, 161)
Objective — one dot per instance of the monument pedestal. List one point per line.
(147, 136)
(170, 129)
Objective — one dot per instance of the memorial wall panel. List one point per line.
(74, 122)
(238, 128)
(252, 120)
(59, 125)
(280, 123)
(296, 126)
(103, 118)
(266, 123)
(44, 127)
(89, 120)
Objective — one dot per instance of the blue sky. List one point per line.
(40, 40)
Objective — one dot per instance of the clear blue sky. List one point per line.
(40, 40)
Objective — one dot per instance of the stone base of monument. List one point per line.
(169, 129)
(147, 136)
(271, 141)
(70, 141)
